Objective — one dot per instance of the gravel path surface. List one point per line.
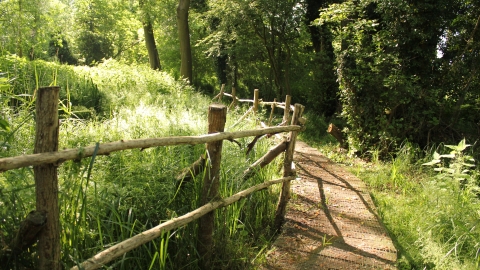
(331, 221)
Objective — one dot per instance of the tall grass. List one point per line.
(106, 199)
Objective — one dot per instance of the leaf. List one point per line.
(460, 147)
(468, 165)
(433, 162)
(460, 176)
(448, 156)
(4, 125)
(451, 171)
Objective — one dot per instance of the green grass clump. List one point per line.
(107, 199)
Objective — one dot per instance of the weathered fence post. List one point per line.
(271, 112)
(234, 97)
(217, 115)
(286, 112)
(46, 180)
(256, 100)
(287, 169)
(222, 90)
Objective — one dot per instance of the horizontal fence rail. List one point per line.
(107, 148)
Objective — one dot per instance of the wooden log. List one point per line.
(272, 111)
(217, 116)
(125, 246)
(220, 95)
(265, 160)
(256, 94)
(222, 90)
(287, 170)
(46, 179)
(234, 97)
(246, 100)
(337, 134)
(271, 103)
(107, 148)
(286, 112)
(188, 173)
(240, 120)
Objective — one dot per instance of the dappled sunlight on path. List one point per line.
(331, 222)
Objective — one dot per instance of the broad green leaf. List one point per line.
(461, 176)
(433, 162)
(4, 125)
(451, 171)
(460, 147)
(468, 164)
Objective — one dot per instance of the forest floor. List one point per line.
(331, 221)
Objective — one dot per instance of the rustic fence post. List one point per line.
(234, 97)
(46, 180)
(286, 112)
(287, 169)
(271, 112)
(217, 115)
(256, 100)
(222, 90)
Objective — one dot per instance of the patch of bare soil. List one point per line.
(331, 222)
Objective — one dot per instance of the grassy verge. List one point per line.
(433, 217)
(106, 199)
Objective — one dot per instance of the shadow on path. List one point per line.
(331, 221)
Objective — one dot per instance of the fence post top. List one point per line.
(218, 106)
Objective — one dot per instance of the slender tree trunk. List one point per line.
(313, 12)
(151, 46)
(19, 31)
(184, 36)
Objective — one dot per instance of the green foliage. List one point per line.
(455, 169)
(433, 219)
(272, 51)
(60, 49)
(392, 84)
(27, 26)
(107, 29)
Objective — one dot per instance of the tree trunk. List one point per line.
(313, 12)
(184, 37)
(151, 46)
(19, 31)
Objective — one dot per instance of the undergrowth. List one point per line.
(433, 216)
(107, 199)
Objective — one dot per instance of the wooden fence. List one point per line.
(44, 222)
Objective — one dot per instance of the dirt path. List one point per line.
(331, 222)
